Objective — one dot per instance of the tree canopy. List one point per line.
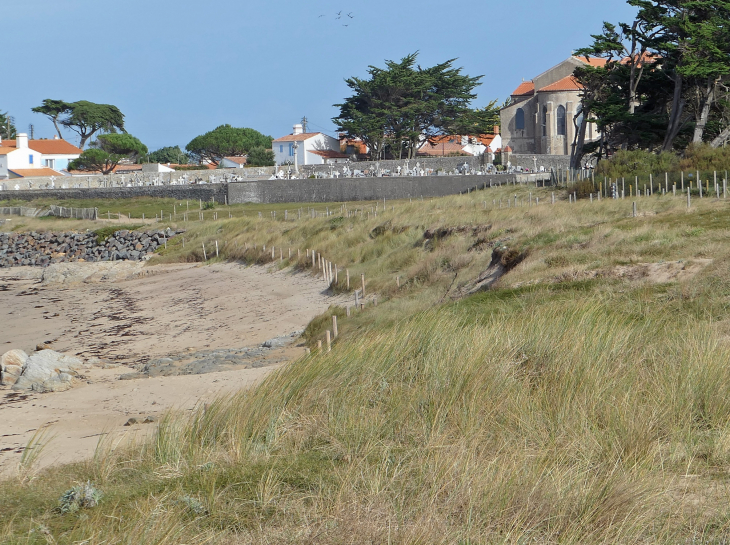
(402, 105)
(664, 84)
(169, 154)
(7, 126)
(260, 157)
(83, 117)
(107, 151)
(225, 141)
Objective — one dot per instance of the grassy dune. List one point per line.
(584, 398)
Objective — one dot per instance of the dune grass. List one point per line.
(567, 404)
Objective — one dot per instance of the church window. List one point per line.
(544, 121)
(560, 118)
(520, 119)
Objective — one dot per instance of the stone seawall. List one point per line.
(358, 189)
(206, 192)
(42, 249)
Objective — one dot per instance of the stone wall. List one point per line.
(206, 192)
(358, 189)
(444, 164)
(555, 162)
(181, 177)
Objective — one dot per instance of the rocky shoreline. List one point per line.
(43, 249)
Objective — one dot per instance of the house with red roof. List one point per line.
(451, 145)
(22, 158)
(543, 112)
(307, 148)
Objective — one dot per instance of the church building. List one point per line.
(541, 113)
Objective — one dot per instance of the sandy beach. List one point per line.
(121, 319)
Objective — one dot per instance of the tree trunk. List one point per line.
(55, 124)
(579, 142)
(707, 100)
(721, 138)
(675, 115)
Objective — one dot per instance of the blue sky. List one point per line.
(180, 68)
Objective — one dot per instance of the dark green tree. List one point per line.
(169, 154)
(7, 126)
(53, 109)
(404, 104)
(226, 141)
(107, 151)
(260, 157)
(87, 118)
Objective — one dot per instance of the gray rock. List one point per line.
(48, 370)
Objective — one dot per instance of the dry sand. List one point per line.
(166, 311)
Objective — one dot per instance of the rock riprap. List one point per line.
(42, 249)
(44, 371)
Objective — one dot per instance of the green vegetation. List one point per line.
(260, 157)
(83, 117)
(169, 154)
(683, 43)
(107, 151)
(7, 127)
(226, 141)
(585, 398)
(398, 105)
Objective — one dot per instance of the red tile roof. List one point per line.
(297, 137)
(47, 147)
(442, 148)
(34, 172)
(526, 88)
(596, 62)
(330, 154)
(6, 150)
(239, 160)
(568, 83)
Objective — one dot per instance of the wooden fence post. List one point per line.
(362, 279)
(334, 325)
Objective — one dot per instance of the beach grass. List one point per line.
(583, 398)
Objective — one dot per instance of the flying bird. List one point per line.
(350, 15)
(321, 16)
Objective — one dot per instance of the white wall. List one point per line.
(20, 158)
(60, 161)
(317, 142)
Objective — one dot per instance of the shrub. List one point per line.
(83, 496)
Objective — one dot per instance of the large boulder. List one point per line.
(11, 366)
(48, 371)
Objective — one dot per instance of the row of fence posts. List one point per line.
(330, 276)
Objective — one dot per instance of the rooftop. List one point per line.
(297, 137)
(568, 83)
(34, 172)
(46, 147)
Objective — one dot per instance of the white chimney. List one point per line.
(298, 129)
(55, 137)
(21, 140)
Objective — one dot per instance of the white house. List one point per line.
(233, 162)
(307, 148)
(22, 158)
